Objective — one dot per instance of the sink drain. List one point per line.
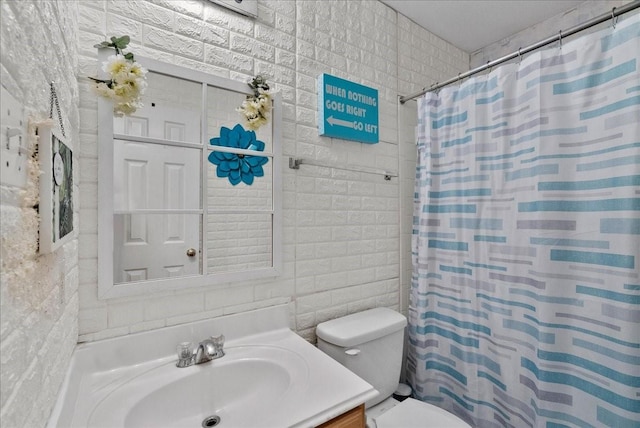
(211, 421)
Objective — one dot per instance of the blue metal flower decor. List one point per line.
(238, 167)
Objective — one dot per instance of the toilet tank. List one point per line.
(368, 343)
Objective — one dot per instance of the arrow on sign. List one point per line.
(333, 121)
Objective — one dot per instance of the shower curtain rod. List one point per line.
(615, 12)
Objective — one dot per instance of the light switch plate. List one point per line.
(13, 143)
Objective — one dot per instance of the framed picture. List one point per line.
(56, 189)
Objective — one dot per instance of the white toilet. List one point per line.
(370, 344)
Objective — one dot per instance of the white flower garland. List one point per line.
(255, 109)
(20, 243)
(127, 81)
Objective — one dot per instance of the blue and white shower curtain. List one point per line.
(525, 296)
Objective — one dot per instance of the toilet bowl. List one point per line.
(370, 343)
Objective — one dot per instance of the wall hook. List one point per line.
(294, 163)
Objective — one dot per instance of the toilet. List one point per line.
(370, 344)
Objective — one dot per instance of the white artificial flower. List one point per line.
(127, 83)
(103, 90)
(137, 70)
(265, 102)
(127, 108)
(115, 65)
(255, 109)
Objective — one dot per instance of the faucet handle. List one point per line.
(185, 354)
(185, 350)
(218, 343)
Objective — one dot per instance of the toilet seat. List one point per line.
(412, 413)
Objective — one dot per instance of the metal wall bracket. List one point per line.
(294, 163)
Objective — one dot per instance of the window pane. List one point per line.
(171, 111)
(155, 176)
(221, 112)
(238, 242)
(153, 246)
(223, 195)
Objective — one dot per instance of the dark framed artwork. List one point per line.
(56, 189)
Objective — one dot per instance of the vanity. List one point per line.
(268, 377)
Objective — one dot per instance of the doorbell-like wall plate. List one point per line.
(245, 7)
(13, 145)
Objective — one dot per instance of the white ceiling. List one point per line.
(474, 24)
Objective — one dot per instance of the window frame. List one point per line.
(107, 289)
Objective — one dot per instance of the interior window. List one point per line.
(188, 195)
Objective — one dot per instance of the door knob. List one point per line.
(191, 252)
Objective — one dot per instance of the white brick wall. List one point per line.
(342, 236)
(346, 235)
(38, 305)
(423, 60)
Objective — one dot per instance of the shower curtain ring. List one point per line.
(560, 39)
(519, 56)
(614, 19)
(459, 78)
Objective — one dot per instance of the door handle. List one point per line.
(191, 252)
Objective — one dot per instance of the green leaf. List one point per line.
(102, 45)
(128, 56)
(121, 42)
(114, 40)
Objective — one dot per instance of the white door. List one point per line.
(156, 176)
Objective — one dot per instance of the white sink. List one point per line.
(241, 389)
(269, 377)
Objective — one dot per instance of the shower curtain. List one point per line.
(525, 296)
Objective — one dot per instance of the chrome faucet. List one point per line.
(207, 350)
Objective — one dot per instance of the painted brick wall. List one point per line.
(423, 59)
(38, 294)
(342, 233)
(582, 13)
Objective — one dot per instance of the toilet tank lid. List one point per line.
(361, 327)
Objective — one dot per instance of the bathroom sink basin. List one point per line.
(238, 390)
(269, 377)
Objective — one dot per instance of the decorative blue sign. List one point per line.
(347, 110)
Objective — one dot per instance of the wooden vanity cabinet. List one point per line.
(354, 418)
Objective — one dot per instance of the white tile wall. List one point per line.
(38, 294)
(342, 234)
